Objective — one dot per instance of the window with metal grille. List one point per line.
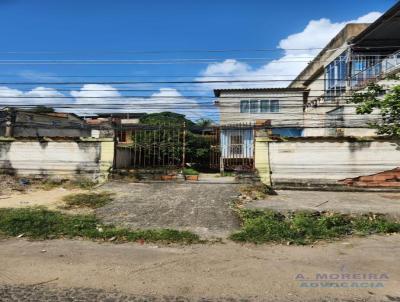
(236, 144)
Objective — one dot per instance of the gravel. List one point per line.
(28, 293)
(197, 207)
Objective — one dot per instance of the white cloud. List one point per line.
(170, 99)
(36, 96)
(95, 93)
(106, 98)
(318, 33)
(298, 49)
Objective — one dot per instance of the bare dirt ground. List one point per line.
(202, 208)
(14, 194)
(51, 199)
(341, 202)
(65, 270)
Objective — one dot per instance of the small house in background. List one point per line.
(29, 123)
(105, 123)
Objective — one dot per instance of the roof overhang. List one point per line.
(217, 92)
(383, 33)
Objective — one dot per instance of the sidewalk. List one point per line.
(343, 202)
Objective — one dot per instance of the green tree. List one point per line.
(166, 118)
(204, 122)
(388, 104)
(42, 109)
(197, 145)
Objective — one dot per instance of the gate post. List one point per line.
(261, 160)
(261, 152)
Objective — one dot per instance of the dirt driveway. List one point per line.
(202, 208)
(66, 270)
(341, 202)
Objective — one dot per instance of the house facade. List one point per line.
(280, 110)
(106, 122)
(358, 55)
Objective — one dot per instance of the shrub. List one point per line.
(190, 171)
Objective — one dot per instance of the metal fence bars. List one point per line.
(146, 146)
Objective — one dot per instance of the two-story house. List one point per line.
(358, 55)
(280, 109)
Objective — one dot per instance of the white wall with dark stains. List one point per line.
(327, 161)
(61, 158)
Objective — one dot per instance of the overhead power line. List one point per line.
(96, 51)
(163, 61)
(91, 52)
(162, 82)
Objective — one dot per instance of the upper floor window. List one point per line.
(254, 106)
(244, 106)
(264, 106)
(259, 106)
(335, 76)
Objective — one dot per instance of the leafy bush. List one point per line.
(190, 171)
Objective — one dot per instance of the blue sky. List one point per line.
(110, 30)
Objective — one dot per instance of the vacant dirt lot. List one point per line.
(65, 269)
(199, 207)
(342, 202)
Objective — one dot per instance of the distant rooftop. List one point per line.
(217, 92)
(122, 115)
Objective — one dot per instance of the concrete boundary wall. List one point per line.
(61, 158)
(325, 160)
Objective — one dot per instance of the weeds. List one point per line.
(87, 200)
(227, 174)
(255, 192)
(40, 223)
(306, 228)
(81, 183)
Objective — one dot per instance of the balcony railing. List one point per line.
(372, 73)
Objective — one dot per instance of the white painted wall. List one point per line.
(53, 158)
(330, 160)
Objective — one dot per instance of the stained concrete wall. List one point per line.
(326, 161)
(57, 158)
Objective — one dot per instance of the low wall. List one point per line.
(62, 158)
(314, 161)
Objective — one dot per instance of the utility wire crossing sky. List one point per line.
(171, 53)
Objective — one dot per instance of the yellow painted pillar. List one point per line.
(106, 158)
(261, 159)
